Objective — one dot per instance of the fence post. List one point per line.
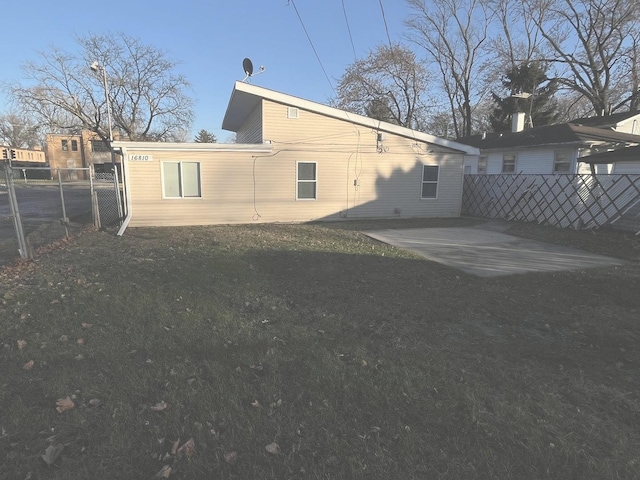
(17, 221)
(95, 210)
(65, 220)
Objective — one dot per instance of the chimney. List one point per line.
(517, 122)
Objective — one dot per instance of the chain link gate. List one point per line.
(39, 205)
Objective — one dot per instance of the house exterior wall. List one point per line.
(358, 174)
(631, 125)
(251, 131)
(540, 161)
(626, 167)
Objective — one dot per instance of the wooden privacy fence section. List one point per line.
(575, 201)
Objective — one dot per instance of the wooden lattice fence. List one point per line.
(575, 201)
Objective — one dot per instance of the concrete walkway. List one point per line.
(487, 252)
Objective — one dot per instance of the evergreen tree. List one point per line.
(540, 106)
(204, 136)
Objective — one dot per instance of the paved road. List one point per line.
(38, 205)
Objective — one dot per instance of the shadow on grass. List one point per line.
(358, 359)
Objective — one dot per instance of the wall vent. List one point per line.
(292, 112)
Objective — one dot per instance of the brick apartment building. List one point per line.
(79, 151)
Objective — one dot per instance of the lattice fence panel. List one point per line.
(576, 201)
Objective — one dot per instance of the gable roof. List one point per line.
(630, 154)
(562, 134)
(606, 121)
(246, 97)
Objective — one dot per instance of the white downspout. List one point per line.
(127, 218)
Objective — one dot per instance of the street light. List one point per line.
(96, 67)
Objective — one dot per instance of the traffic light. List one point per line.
(13, 154)
(4, 154)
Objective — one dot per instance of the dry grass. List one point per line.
(357, 359)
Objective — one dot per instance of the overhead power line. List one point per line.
(344, 10)
(386, 27)
(312, 46)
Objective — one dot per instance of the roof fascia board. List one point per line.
(194, 147)
(354, 118)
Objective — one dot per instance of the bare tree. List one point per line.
(19, 131)
(147, 97)
(590, 42)
(454, 33)
(519, 41)
(388, 85)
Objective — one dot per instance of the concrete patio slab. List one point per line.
(487, 252)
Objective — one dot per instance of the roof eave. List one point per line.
(231, 121)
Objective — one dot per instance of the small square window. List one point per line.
(508, 163)
(561, 163)
(99, 146)
(181, 179)
(65, 145)
(482, 164)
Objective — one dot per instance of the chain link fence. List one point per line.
(574, 201)
(40, 205)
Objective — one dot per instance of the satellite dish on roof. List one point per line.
(247, 66)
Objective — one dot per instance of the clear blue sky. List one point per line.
(211, 38)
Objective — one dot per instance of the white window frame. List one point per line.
(482, 161)
(293, 112)
(314, 181)
(435, 182)
(566, 159)
(515, 162)
(181, 179)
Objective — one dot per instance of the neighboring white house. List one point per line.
(543, 150)
(297, 161)
(626, 122)
(624, 160)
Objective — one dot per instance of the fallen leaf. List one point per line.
(273, 448)
(174, 448)
(94, 402)
(255, 403)
(21, 344)
(231, 457)
(52, 453)
(188, 449)
(86, 325)
(79, 357)
(158, 407)
(63, 338)
(29, 365)
(80, 341)
(64, 404)
(164, 472)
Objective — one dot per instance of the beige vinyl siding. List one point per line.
(388, 176)
(251, 131)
